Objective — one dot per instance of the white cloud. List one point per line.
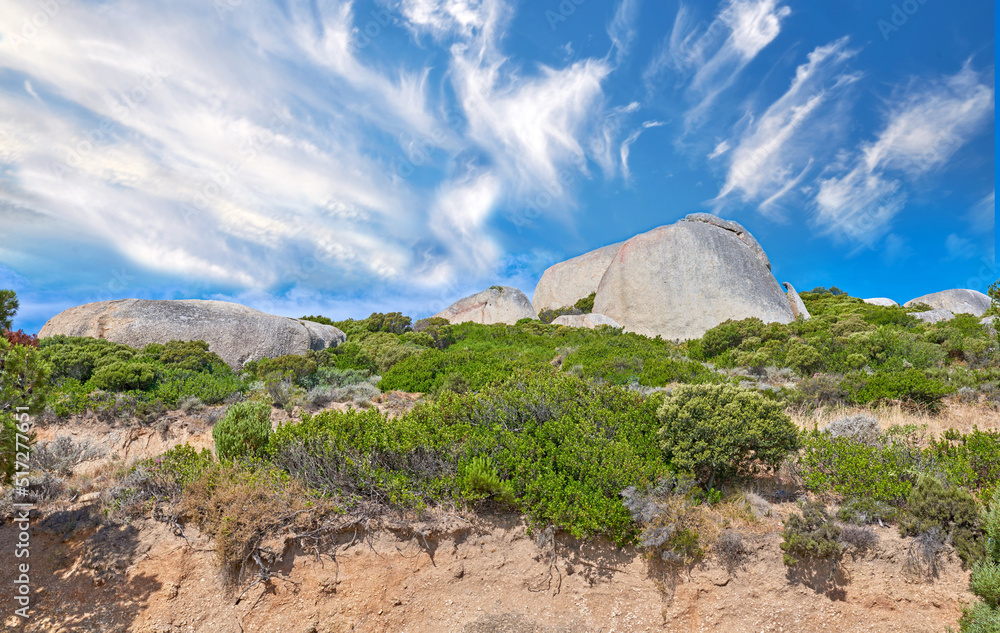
(773, 154)
(982, 216)
(233, 155)
(622, 28)
(925, 126)
(959, 248)
(719, 150)
(708, 59)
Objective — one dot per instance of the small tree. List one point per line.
(244, 431)
(994, 293)
(8, 308)
(23, 387)
(722, 431)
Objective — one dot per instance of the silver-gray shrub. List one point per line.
(863, 429)
(62, 454)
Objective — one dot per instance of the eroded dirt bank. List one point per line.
(488, 576)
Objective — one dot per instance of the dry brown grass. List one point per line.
(953, 415)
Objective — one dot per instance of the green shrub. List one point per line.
(879, 472)
(77, 357)
(810, 536)
(971, 460)
(729, 335)
(909, 386)
(123, 376)
(479, 479)
(565, 449)
(984, 616)
(951, 511)
(296, 366)
(243, 432)
(8, 308)
(721, 431)
(804, 358)
(393, 322)
(189, 355)
(586, 304)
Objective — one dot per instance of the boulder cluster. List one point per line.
(675, 281)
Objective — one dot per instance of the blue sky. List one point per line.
(340, 157)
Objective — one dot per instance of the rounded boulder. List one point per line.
(680, 280)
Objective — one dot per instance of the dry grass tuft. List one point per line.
(962, 417)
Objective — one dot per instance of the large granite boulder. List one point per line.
(680, 280)
(589, 321)
(498, 304)
(795, 302)
(881, 301)
(957, 300)
(934, 316)
(236, 333)
(565, 283)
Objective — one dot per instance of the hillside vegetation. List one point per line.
(597, 433)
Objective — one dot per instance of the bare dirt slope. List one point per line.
(482, 577)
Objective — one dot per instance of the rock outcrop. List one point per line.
(957, 300)
(934, 316)
(795, 302)
(499, 304)
(734, 227)
(236, 333)
(565, 283)
(680, 280)
(585, 320)
(881, 301)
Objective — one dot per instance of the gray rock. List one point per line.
(734, 227)
(680, 280)
(958, 300)
(493, 305)
(565, 283)
(882, 301)
(934, 316)
(795, 302)
(236, 333)
(585, 320)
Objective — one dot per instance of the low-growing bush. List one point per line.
(950, 511)
(123, 376)
(62, 454)
(861, 537)
(971, 460)
(860, 428)
(984, 616)
(909, 386)
(810, 536)
(868, 474)
(243, 432)
(721, 432)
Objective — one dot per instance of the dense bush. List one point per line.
(950, 511)
(77, 357)
(189, 355)
(810, 536)
(123, 376)
(560, 448)
(721, 431)
(909, 386)
(244, 431)
(984, 616)
(970, 460)
(868, 470)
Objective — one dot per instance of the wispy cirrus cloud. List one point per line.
(230, 147)
(707, 58)
(925, 125)
(778, 148)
